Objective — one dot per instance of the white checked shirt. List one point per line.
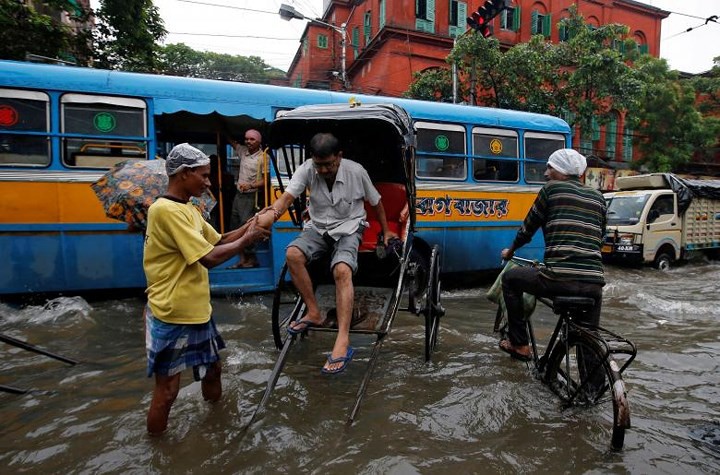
(342, 211)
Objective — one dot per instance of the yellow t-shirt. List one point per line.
(178, 285)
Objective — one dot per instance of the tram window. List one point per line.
(434, 143)
(538, 148)
(114, 130)
(24, 127)
(502, 146)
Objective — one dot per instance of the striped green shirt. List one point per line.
(572, 217)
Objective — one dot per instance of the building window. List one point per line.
(510, 19)
(322, 41)
(457, 20)
(421, 8)
(540, 24)
(425, 15)
(367, 24)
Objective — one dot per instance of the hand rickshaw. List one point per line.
(381, 138)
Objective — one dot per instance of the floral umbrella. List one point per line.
(128, 189)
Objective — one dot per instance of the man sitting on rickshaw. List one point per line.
(337, 188)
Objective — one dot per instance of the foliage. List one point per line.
(598, 79)
(25, 30)
(669, 126)
(708, 88)
(181, 60)
(127, 35)
(431, 85)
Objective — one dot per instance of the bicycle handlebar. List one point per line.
(525, 262)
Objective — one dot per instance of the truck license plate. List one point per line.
(625, 248)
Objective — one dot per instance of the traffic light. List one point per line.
(480, 19)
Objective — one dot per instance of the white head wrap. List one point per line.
(568, 162)
(184, 156)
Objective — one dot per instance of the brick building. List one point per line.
(389, 40)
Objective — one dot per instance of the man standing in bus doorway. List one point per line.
(572, 217)
(180, 247)
(250, 184)
(338, 188)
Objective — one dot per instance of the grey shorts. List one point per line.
(313, 245)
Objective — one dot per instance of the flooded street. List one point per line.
(472, 410)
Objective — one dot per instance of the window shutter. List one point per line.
(368, 27)
(381, 21)
(462, 15)
(355, 41)
(516, 19)
(644, 49)
(533, 22)
(627, 144)
(547, 25)
(595, 129)
(611, 137)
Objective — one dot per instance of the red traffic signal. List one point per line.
(480, 19)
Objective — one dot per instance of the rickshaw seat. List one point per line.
(394, 200)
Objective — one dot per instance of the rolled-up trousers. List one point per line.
(519, 280)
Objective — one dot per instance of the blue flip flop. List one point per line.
(306, 322)
(345, 360)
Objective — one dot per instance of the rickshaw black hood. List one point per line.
(298, 125)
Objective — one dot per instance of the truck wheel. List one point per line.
(662, 261)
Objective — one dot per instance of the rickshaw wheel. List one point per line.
(433, 308)
(287, 306)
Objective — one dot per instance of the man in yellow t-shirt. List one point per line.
(180, 247)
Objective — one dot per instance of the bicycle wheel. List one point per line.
(287, 307)
(433, 308)
(581, 375)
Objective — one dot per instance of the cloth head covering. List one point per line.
(255, 134)
(568, 162)
(184, 156)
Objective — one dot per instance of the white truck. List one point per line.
(659, 218)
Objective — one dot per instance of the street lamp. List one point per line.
(288, 12)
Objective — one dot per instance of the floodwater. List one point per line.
(472, 410)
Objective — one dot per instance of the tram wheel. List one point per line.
(287, 307)
(433, 308)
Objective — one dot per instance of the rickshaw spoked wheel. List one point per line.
(433, 308)
(287, 307)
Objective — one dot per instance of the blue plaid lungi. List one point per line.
(172, 348)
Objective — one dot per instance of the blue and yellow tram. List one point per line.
(61, 128)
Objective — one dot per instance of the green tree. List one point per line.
(181, 60)
(128, 34)
(431, 85)
(598, 77)
(670, 129)
(25, 30)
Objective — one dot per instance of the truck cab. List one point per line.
(643, 225)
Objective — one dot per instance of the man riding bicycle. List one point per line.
(572, 217)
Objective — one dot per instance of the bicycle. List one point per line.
(578, 362)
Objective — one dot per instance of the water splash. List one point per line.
(60, 310)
